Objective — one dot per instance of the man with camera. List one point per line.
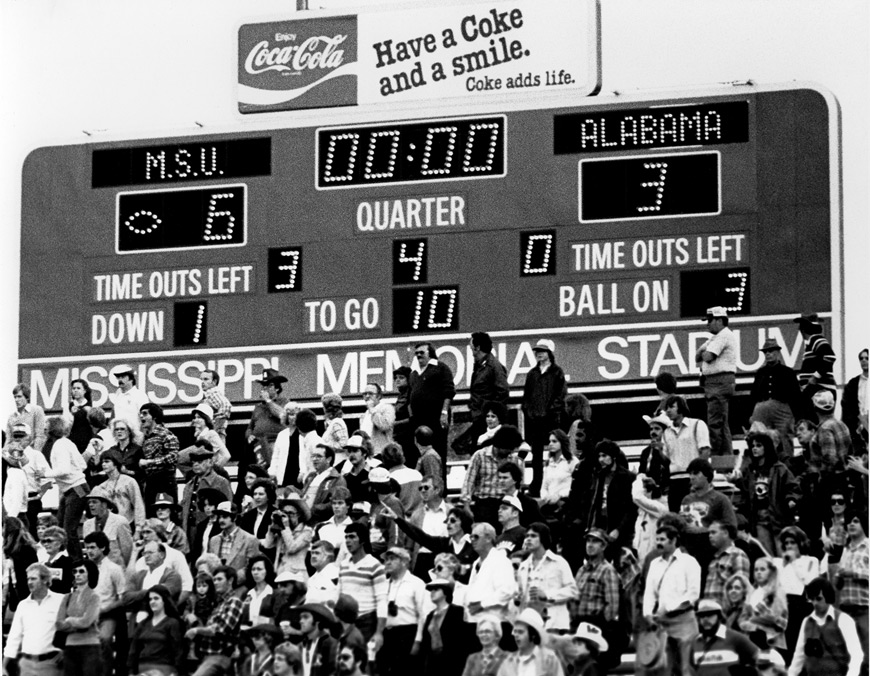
(403, 634)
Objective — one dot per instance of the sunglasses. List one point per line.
(474, 537)
(440, 568)
(345, 658)
(421, 353)
(838, 501)
(424, 488)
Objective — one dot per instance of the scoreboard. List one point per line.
(326, 251)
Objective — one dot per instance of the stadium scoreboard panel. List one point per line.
(326, 251)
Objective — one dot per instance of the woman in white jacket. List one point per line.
(651, 505)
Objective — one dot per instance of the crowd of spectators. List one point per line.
(339, 551)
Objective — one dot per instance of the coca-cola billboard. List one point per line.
(307, 63)
(472, 51)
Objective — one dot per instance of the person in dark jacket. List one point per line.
(488, 385)
(770, 491)
(430, 393)
(777, 396)
(853, 417)
(543, 402)
(447, 638)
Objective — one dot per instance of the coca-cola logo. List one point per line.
(316, 52)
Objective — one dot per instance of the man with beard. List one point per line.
(717, 649)
(351, 660)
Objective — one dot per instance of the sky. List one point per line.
(78, 70)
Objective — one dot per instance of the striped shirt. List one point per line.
(365, 581)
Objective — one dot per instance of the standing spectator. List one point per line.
(266, 417)
(18, 553)
(727, 560)
(545, 580)
(831, 445)
(202, 422)
(122, 489)
(666, 385)
(431, 391)
(156, 643)
(718, 650)
(309, 440)
(853, 575)
(403, 432)
(651, 506)
(111, 585)
(257, 604)
(383, 530)
(332, 530)
(77, 413)
(290, 535)
(512, 535)
(777, 396)
(257, 519)
(15, 486)
(817, 369)
(323, 583)
(855, 405)
(446, 639)
(488, 384)
(770, 491)
(233, 546)
(78, 618)
(828, 642)
(492, 585)
(429, 462)
(217, 400)
(738, 591)
(102, 439)
(128, 443)
(68, 471)
(156, 572)
(30, 414)
(560, 466)
(33, 628)
(34, 465)
(403, 632)
(543, 401)
(319, 648)
(481, 491)
(495, 415)
(166, 510)
(362, 577)
(128, 399)
(378, 418)
(202, 478)
(218, 639)
(529, 634)
(717, 358)
(104, 518)
(686, 439)
(320, 485)
(701, 507)
(355, 469)
(155, 531)
(57, 559)
(393, 459)
(488, 660)
(797, 569)
(335, 433)
(430, 517)
(160, 454)
(207, 500)
(599, 588)
(673, 586)
(510, 480)
(834, 531)
(284, 465)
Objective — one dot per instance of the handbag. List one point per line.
(652, 649)
(59, 640)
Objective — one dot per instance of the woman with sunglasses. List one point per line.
(834, 529)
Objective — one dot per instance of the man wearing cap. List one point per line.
(481, 490)
(160, 454)
(322, 482)
(431, 391)
(545, 580)
(488, 384)
(543, 401)
(718, 649)
(831, 445)
(212, 395)
(777, 395)
(116, 527)
(492, 584)
(266, 417)
(599, 584)
(512, 533)
(202, 477)
(234, 547)
(717, 358)
(654, 463)
(817, 368)
(128, 399)
(406, 615)
(34, 465)
(284, 465)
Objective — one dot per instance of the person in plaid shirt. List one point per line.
(481, 490)
(217, 400)
(853, 575)
(727, 560)
(218, 639)
(160, 454)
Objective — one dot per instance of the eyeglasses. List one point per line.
(421, 353)
(838, 501)
(440, 568)
(345, 658)
(474, 536)
(425, 488)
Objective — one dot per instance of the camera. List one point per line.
(813, 647)
(392, 609)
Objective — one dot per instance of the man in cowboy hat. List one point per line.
(543, 402)
(202, 476)
(717, 649)
(234, 547)
(266, 422)
(777, 395)
(717, 358)
(104, 518)
(319, 649)
(128, 399)
(817, 368)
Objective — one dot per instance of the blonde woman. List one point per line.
(768, 606)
